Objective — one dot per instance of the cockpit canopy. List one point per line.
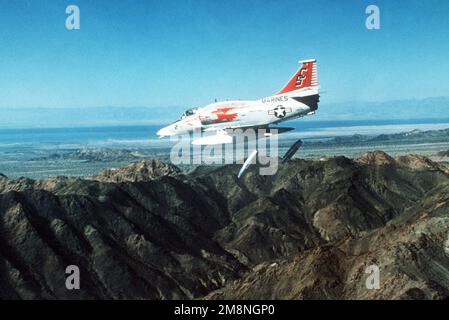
(189, 112)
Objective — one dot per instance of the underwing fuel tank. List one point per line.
(291, 152)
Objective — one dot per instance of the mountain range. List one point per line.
(153, 231)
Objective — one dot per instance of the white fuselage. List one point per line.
(241, 114)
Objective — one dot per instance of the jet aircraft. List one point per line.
(298, 98)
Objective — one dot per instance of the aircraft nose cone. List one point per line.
(164, 132)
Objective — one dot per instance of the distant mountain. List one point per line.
(151, 231)
(88, 116)
(100, 116)
(437, 107)
(98, 154)
(443, 153)
(408, 137)
(121, 155)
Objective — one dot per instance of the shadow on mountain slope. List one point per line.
(151, 231)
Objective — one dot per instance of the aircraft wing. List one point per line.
(222, 137)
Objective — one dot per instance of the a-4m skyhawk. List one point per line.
(298, 98)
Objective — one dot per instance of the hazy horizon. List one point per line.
(49, 117)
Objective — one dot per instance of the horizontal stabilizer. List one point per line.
(280, 129)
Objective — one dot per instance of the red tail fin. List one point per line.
(305, 77)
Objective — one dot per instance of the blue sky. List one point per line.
(166, 53)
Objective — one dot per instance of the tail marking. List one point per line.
(305, 77)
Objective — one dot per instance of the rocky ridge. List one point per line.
(150, 231)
